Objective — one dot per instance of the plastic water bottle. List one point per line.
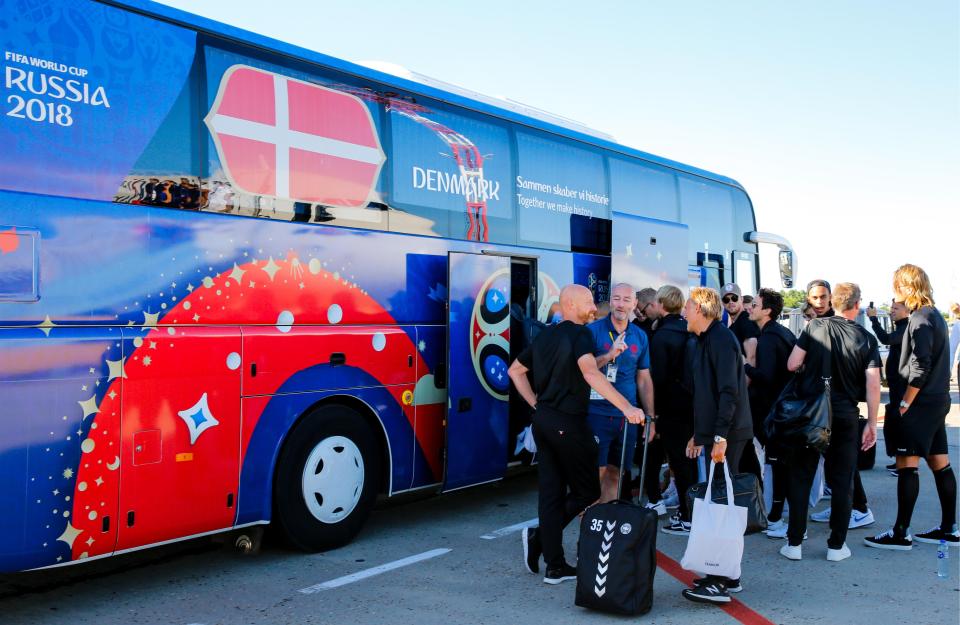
(943, 560)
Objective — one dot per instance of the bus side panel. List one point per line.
(430, 401)
(275, 416)
(59, 498)
(181, 433)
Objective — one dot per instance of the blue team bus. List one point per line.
(246, 283)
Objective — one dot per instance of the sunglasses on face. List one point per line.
(730, 298)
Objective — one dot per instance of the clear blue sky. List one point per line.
(841, 119)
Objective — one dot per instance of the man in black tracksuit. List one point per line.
(722, 425)
(900, 316)
(668, 357)
(768, 375)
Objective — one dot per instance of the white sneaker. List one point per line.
(671, 490)
(780, 532)
(821, 517)
(658, 507)
(860, 519)
(791, 553)
(835, 555)
(776, 526)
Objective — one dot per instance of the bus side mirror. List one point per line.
(786, 268)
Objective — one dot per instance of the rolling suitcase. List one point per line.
(617, 552)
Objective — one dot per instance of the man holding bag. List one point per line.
(852, 364)
(722, 422)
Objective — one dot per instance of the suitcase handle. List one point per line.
(623, 453)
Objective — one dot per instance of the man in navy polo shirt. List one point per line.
(623, 355)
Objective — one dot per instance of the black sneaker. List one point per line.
(563, 574)
(532, 549)
(892, 469)
(732, 586)
(676, 527)
(889, 540)
(935, 535)
(712, 591)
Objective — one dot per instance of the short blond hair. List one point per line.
(955, 309)
(671, 298)
(916, 282)
(845, 296)
(708, 300)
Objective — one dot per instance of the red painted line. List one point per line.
(735, 608)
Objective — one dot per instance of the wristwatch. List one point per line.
(904, 404)
(719, 439)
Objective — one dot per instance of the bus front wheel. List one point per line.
(326, 480)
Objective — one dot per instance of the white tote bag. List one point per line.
(816, 490)
(715, 546)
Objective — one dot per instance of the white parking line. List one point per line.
(377, 570)
(503, 531)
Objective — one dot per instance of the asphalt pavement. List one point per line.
(458, 559)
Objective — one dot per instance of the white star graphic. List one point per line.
(271, 268)
(237, 274)
(69, 534)
(422, 345)
(629, 249)
(150, 320)
(116, 369)
(198, 418)
(89, 406)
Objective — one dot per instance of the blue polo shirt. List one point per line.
(636, 356)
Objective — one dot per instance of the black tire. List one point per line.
(320, 433)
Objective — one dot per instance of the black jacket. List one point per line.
(770, 375)
(720, 402)
(669, 372)
(925, 359)
(895, 381)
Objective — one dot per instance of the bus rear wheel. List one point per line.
(326, 479)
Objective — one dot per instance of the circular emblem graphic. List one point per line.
(549, 295)
(407, 398)
(490, 334)
(626, 528)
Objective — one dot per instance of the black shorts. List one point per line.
(920, 431)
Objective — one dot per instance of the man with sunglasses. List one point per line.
(738, 320)
(646, 311)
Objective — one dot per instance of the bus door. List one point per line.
(478, 355)
(180, 432)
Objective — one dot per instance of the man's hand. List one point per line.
(635, 415)
(719, 451)
(693, 450)
(869, 437)
(619, 346)
(871, 312)
(653, 431)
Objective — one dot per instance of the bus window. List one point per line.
(556, 180)
(286, 143)
(708, 209)
(643, 190)
(450, 175)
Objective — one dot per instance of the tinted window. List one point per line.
(707, 207)
(289, 143)
(555, 181)
(451, 175)
(643, 190)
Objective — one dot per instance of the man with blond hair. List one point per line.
(854, 375)
(920, 432)
(668, 359)
(722, 425)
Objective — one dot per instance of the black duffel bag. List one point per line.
(746, 493)
(801, 417)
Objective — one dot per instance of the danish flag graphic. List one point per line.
(281, 137)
